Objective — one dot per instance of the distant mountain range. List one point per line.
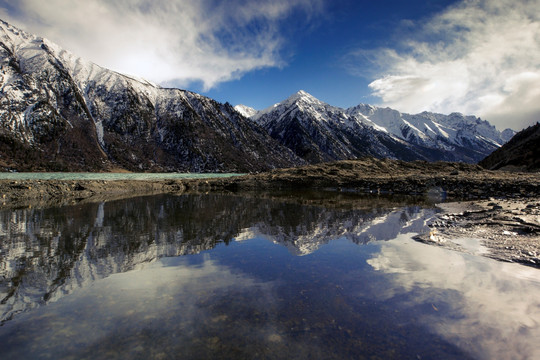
(317, 131)
(59, 112)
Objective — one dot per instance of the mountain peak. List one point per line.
(299, 99)
(14, 35)
(301, 95)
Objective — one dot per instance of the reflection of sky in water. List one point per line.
(128, 313)
(121, 290)
(497, 304)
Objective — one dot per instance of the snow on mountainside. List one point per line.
(60, 112)
(433, 130)
(245, 110)
(318, 131)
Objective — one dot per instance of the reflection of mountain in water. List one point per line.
(46, 253)
(303, 232)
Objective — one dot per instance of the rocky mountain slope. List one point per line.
(522, 152)
(317, 131)
(60, 112)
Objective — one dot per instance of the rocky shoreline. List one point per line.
(444, 180)
(498, 210)
(502, 229)
(447, 180)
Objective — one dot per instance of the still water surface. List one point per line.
(266, 277)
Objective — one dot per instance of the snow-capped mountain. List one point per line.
(60, 112)
(317, 131)
(455, 132)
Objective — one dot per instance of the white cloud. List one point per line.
(165, 41)
(478, 57)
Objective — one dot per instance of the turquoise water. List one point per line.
(253, 277)
(111, 176)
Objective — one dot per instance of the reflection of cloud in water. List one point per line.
(499, 303)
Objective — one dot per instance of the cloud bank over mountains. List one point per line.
(174, 42)
(479, 57)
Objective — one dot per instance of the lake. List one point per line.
(258, 276)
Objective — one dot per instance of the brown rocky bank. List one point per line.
(444, 180)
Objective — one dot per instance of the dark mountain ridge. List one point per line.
(522, 152)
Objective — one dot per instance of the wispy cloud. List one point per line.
(479, 57)
(167, 41)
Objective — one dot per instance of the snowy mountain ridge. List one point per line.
(429, 127)
(433, 136)
(245, 110)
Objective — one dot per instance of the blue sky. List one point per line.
(318, 61)
(479, 57)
